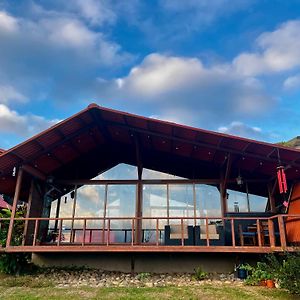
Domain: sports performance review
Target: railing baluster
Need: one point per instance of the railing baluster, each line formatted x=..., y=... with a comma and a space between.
x=271, y=233
x=36, y=223
x=232, y=232
x=207, y=234
x=91, y=236
x=59, y=232
x=259, y=235
x=84, y=228
x=157, y=225
x=282, y=232
x=182, y=237
x=132, y=232
x=108, y=232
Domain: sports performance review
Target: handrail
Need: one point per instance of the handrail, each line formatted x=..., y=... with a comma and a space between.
x=258, y=222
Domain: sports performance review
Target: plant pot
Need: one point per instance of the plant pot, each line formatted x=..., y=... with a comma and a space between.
x=242, y=274
x=263, y=283
x=270, y=283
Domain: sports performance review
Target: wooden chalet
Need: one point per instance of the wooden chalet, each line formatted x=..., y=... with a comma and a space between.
x=109, y=181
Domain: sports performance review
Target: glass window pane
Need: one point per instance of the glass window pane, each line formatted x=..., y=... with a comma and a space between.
x=181, y=202
x=121, y=201
x=154, y=205
x=208, y=201
x=66, y=210
x=152, y=174
x=257, y=203
x=119, y=172
x=90, y=203
x=53, y=214
x=237, y=201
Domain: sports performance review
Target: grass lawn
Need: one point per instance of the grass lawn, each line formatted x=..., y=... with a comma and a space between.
x=25, y=288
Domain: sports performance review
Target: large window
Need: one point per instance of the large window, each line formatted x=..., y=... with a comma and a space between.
x=180, y=201
x=245, y=201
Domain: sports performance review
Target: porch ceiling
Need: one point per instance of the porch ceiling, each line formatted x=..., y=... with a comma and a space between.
x=98, y=138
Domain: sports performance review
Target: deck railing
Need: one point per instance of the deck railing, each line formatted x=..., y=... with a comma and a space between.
x=241, y=232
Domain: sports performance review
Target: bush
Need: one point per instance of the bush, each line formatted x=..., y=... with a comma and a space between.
x=284, y=270
x=200, y=274
x=13, y=263
x=289, y=276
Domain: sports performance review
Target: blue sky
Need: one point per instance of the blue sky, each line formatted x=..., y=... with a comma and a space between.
x=225, y=65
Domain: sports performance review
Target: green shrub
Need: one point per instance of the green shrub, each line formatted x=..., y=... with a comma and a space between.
x=200, y=274
x=143, y=275
x=289, y=276
x=285, y=270
x=13, y=263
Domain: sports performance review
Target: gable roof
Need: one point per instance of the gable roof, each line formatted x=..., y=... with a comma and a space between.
x=97, y=138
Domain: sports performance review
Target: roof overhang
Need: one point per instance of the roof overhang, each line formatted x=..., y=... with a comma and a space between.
x=98, y=138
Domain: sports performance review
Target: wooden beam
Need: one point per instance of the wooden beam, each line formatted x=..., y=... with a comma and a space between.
x=34, y=172
x=14, y=207
x=198, y=143
x=271, y=199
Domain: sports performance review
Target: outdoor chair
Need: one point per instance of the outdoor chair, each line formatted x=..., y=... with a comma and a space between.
x=215, y=235
x=173, y=235
x=248, y=235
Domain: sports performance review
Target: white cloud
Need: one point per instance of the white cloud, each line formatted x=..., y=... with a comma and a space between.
x=278, y=51
x=292, y=82
x=185, y=90
x=95, y=11
x=9, y=94
x=22, y=125
x=8, y=24
x=244, y=130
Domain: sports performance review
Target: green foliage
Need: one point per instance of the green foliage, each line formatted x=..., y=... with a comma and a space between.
x=284, y=270
x=289, y=276
x=200, y=274
x=13, y=263
x=257, y=273
x=143, y=276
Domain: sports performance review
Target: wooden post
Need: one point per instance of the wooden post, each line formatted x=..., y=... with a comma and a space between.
x=73, y=215
x=271, y=199
x=271, y=232
x=282, y=232
x=28, y=212
x=259, y=235
x=57, y=213
x=232, y=232
x=14, y=207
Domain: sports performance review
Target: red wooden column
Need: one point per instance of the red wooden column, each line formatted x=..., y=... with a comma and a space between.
x=272, y=205
x=14, y=207
x=28, y=212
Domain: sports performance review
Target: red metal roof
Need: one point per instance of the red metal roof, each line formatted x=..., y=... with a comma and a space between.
x=98, y=138
x=4, y=204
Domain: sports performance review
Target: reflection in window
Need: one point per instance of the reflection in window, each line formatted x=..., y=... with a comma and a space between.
x=207, y=202
x=245, y=202
x=121, y=200
x=119, y=172
x=90, y=201
x=152, y=174
x=154, y=205
x=181, y=202
x=237, y=201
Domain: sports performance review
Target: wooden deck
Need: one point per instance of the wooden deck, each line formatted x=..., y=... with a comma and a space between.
x=145, y=249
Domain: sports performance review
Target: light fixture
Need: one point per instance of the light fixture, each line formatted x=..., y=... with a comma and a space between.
x=239, y=180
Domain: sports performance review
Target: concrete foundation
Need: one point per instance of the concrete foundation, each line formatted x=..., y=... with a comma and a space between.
x=146, y=262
